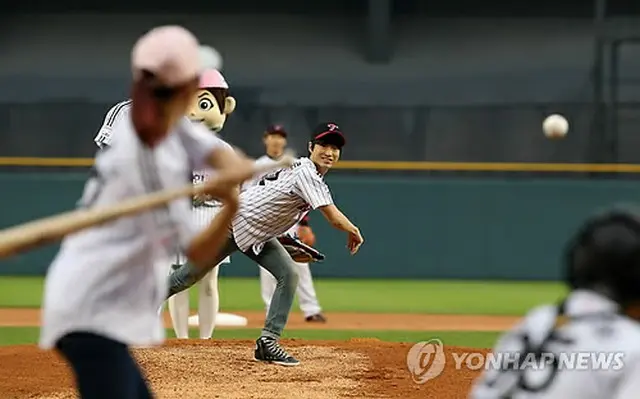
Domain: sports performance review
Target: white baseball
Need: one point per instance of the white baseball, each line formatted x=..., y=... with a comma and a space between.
x=210, y=58
x=555, y=126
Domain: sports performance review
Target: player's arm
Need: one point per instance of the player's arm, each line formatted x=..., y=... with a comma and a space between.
x=103, y=138
x=316, y=192
x=206, y=245
x=340, y=221
x=207, y=149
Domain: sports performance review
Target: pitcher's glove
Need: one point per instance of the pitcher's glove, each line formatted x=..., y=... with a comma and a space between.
x=299, y=251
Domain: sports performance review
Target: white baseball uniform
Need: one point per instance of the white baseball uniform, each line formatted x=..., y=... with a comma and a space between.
x=594, y=326
x=307, y=297
x=208, y=302
x=112, y=278
x=268, y=210
x=275, y=204
x=208, y=293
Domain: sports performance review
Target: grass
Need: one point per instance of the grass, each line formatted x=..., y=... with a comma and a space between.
x=356, y=295
x=29, y=335
x=342, y=295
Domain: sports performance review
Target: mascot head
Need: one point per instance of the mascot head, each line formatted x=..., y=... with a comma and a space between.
x=212, y=103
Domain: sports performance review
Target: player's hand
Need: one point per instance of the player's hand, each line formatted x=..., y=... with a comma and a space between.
x=354, y=241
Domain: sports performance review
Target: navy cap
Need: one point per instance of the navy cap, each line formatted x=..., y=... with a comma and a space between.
x=328, y=133
x=276, y=129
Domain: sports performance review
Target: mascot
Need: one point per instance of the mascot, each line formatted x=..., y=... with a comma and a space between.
x=211, y=106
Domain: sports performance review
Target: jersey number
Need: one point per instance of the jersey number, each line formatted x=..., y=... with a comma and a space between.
x=522, y=382
x=270, y=177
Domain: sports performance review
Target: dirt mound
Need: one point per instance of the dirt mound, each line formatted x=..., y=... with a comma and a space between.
x=225, y=369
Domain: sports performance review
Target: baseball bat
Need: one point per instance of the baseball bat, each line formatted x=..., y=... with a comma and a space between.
x=30, y=235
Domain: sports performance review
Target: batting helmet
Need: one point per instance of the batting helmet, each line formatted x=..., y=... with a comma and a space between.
x=604, y=256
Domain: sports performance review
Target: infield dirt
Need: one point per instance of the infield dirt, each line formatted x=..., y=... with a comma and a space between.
x=358, y=368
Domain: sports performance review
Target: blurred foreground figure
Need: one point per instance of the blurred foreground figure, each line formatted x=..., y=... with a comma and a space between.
x=104, y=287
x=588, y=346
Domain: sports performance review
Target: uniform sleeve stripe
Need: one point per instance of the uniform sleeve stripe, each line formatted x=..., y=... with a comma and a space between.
x=112, y=115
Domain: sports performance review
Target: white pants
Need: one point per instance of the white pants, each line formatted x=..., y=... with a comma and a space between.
x=208, y=296
x=306, y=292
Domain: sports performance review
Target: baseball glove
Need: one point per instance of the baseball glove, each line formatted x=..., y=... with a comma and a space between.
x=299, y=251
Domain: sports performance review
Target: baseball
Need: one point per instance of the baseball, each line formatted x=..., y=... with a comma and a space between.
x=555, y=126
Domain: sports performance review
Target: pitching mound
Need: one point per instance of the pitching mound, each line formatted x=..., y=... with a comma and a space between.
x=225, y=369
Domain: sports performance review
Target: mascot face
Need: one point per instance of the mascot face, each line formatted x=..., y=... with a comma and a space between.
x=212, y=103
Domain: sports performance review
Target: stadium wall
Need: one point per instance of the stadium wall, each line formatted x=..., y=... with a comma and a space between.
x=414, y=227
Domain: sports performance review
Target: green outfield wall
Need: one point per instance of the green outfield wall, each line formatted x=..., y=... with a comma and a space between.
x=414, y=227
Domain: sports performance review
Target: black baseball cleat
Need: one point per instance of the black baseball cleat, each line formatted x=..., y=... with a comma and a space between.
x=316, y=318
x=269, y=350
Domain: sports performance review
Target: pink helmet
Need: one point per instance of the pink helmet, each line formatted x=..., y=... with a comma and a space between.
x=212, y=78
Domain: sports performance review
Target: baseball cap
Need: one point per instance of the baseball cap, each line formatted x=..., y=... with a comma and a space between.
x=171, y=53
x=328, y=133
x=276, y=129
x=212, y=78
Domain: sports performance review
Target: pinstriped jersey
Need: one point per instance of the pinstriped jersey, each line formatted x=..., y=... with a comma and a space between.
x=277, y=202
x=116, y=114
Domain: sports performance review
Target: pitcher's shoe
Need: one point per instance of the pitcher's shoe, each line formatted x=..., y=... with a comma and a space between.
x=269, y=350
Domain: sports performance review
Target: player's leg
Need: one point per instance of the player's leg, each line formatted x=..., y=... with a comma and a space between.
x=208, y=303
x=179, y=306
x=307, y=297
x=275, y=259
x=189, y=274
x=208, y=297
x=103, y=368
x=267, y=287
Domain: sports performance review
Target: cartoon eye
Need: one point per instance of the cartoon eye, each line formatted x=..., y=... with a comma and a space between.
x=205, y=104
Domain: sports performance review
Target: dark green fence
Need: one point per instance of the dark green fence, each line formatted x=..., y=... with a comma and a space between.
x=414, y=227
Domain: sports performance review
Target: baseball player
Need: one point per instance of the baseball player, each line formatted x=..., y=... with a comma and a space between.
x=104, y=287
x=211, y=106
x=599, y=317
x=269, y=209
x=275, y=142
